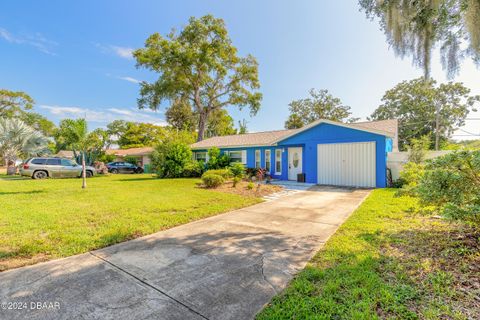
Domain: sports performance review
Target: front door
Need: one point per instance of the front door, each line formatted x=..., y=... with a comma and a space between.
x=294, y=162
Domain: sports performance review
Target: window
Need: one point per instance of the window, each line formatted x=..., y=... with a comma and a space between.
x=235, y=156
x=53, y=162
x=278, y=161
x=257, y=159
x=201, y=156
x=268, y=159
x=67, y=163
x=39, y=161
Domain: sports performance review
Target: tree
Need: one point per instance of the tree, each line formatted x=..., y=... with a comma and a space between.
x=320, y=105
x=138, y=134
x=416, y=27
x=220, y=123
x=17, y=140
x=199, y=64
x=423, y=108
x=242, y=127
x=13, y=103
x=180, y=115
x=173, y=157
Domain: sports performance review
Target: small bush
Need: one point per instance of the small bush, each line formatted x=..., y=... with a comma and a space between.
x=250, y=185
x=251, y=172
x=217, y=161
x=193, y=169
x=410, y=177
x=212, y=180
x=236, y=180
x=224, y=173
x=237, y=169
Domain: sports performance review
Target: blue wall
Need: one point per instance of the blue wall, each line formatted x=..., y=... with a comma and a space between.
x=308, y=140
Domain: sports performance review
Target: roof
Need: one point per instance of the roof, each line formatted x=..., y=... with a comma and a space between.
x=65, y=154
x=130, y=152
x=267, y=138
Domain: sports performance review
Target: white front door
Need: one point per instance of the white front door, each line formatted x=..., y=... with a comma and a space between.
x=294, y=162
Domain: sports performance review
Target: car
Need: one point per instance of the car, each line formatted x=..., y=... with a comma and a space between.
x=44, y=167
x=123, y=167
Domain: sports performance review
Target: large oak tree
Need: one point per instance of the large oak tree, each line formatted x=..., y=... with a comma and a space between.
x=200, y=64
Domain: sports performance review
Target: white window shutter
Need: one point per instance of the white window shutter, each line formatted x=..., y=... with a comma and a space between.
x=244, y=157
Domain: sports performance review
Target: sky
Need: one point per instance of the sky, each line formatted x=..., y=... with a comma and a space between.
x=74, y=58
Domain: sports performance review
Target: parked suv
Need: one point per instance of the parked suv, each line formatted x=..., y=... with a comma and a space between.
x=123, y=167
x=41, y=168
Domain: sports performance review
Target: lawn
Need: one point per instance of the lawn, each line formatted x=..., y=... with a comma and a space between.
x=388, y=262
x=46, y=219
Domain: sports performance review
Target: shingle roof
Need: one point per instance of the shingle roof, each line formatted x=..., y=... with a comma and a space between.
x=267, y=138
x=131, y=151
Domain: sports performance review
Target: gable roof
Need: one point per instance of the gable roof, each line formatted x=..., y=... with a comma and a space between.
x=268, y=138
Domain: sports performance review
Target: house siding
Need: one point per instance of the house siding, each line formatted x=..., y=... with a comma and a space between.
x=308, y=140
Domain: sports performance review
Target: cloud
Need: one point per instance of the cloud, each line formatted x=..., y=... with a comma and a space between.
x=122, y=52
x=36, y=40
x=105, y=115
x=130, y=79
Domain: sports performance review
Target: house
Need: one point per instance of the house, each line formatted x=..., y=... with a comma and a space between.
x=323, y=152
x=142, y=155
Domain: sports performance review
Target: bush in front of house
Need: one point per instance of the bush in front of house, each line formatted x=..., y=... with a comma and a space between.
x=410, y=177
x=217, y=160
x=224, y=173
x=131, y=159
x=193, y=169
x=451, y=183
x=212, y=180
x=170, y=158
x=237, y=169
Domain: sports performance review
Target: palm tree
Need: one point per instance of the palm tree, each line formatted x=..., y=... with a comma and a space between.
x=76, y=132
x=17, y=140
x=416, y=27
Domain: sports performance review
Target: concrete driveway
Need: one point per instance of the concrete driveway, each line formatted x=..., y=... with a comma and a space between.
x=223, y=267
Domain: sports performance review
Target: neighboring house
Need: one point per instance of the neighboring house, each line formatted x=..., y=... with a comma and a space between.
x=326, y=152
x=142, y=155
x=65, y=154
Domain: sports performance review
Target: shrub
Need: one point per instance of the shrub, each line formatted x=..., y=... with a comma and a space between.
x=250, y=185
x=410, y=177
x=131, y=159
x=451, y=183
x=237, y=169
x=212, y=180
x=251, y=172
x=236, y=180
x=193, y=169
x=417, y=149
x=170, y=158
x=224, y=173
x=216, y=160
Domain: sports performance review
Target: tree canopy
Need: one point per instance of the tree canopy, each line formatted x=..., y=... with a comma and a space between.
x=320, y=105
x=415, y=28
x=414, y=103
x=199, y=64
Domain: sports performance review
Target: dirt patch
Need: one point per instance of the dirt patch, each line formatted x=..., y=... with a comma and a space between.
x=259, y=190
x=17, y=262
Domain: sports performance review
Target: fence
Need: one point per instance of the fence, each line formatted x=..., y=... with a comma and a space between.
x=396, y=160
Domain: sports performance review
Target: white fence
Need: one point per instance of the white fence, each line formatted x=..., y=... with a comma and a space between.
x=396, y=160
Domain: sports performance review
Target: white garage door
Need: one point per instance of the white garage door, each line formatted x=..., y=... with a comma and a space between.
x=347, y=164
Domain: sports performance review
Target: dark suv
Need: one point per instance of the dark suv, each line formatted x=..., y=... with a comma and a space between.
x=123, y=167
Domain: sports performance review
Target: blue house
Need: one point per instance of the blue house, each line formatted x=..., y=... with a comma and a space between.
x=323, y=152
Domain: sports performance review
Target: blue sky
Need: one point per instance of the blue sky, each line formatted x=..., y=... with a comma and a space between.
x=74, y=58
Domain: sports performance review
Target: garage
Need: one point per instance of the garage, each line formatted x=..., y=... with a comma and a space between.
x=347, y=164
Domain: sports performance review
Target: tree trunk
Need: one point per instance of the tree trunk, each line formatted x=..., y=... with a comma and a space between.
x=84, y=172
x=202, y=122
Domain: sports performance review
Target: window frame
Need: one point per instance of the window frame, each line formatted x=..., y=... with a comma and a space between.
x=237, y=159
x=278, y=159
x=269, y=158
x=204, y=159
x=259, y=154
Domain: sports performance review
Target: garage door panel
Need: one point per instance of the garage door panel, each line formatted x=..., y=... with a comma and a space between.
x=347, y=164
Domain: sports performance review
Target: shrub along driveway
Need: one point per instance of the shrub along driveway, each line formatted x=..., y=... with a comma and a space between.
x=45, y=219
x=223, y=267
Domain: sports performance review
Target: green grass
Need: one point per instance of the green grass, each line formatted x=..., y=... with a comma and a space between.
x=387, y=262
x=44, y=219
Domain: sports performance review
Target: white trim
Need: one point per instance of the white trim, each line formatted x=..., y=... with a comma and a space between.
x=231, y=146
x=258, y=151
x=280, y=160
x=345, y=125
x=269, y=158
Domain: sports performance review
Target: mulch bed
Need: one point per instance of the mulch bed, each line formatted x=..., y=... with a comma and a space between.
x=259, y=190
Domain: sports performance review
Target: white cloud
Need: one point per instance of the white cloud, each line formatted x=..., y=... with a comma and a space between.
x=36, y=40
x=122, y=52
x=105, y=116
x=130, y=79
